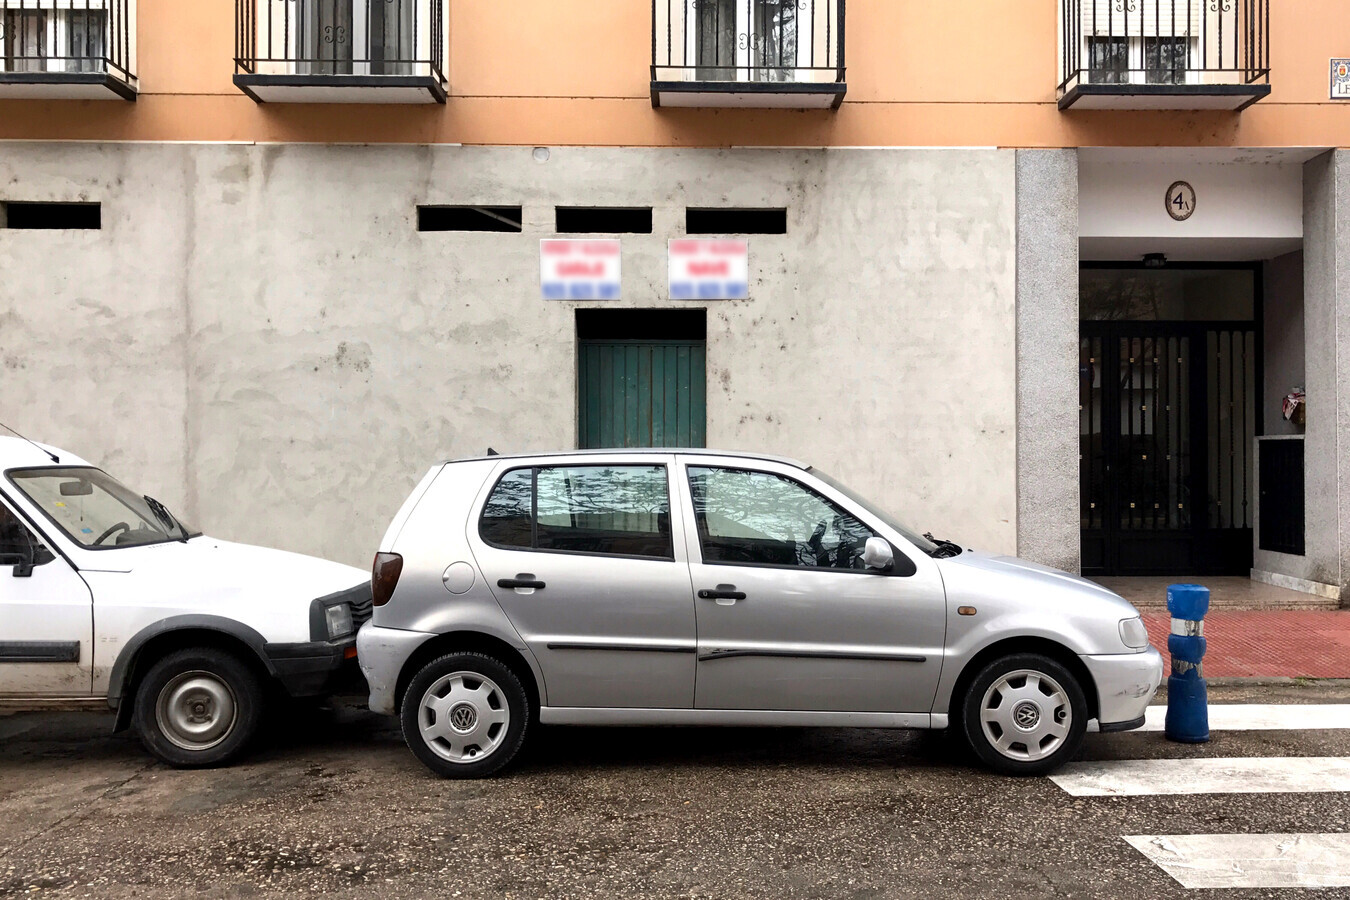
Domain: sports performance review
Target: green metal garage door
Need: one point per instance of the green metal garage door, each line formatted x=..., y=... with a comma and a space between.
x=641, y=394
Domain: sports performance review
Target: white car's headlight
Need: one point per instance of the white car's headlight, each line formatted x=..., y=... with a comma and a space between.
x=339, y=619
x=1133, y=633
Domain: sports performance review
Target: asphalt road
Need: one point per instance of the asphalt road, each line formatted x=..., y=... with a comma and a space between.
x=334, y=804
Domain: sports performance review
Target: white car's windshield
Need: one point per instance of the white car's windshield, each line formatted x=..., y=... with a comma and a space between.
x=909, y=534
x=95, y=510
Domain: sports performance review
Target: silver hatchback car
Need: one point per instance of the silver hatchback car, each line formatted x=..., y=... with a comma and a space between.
x=671, y=587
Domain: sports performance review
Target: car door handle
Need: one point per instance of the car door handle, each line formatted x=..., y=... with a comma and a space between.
x=523, y=580
x=722, y=592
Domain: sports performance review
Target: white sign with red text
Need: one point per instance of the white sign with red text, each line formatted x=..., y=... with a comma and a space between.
x=579, y=269
x=709, y=269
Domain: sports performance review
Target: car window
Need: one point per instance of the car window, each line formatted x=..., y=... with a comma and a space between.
x=616, y=510
x=17, y=543
x=506, y=518
x=96, y=510
x=766, y=519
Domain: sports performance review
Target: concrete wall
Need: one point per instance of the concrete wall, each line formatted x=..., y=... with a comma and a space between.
x=1047, y=358
x=1327, y=370
x=261, y=337
x=1283, y=361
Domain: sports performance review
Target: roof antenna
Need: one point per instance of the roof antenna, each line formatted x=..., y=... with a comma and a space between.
x=492, y=452
x=39, y=446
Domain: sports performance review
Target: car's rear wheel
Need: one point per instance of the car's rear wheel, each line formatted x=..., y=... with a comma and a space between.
x=198, y=707
x=1024, y=714
x=465, y=715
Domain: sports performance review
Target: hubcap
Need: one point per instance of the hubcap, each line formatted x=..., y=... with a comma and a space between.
x=463, y=717
x=1026, y=715
x=196, y=711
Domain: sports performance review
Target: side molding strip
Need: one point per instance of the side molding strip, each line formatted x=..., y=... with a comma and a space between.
x=810, y=654
x=39, y=651
x=631, y=648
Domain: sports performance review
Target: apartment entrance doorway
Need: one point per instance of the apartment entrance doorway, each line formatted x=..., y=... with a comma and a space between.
x=1169, y=400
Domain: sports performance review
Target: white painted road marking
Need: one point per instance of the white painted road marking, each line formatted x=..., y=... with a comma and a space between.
x=1250, y=860
x=1262, y=717
x=1255, y=775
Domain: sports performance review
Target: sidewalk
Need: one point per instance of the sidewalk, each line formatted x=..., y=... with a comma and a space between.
x=1267, y=643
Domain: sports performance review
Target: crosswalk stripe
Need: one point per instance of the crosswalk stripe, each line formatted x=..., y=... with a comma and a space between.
x=1250, y=860
x=1262, y=717
x=1254, y=775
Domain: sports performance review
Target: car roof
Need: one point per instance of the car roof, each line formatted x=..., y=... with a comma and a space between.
x=639, y=451
x=17, y=453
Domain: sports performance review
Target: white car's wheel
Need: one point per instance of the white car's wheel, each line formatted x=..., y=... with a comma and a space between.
x=1024, y=714
x=198, y=707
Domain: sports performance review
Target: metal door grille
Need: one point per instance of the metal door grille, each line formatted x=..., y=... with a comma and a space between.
x=1167, y=417
x=641, y=394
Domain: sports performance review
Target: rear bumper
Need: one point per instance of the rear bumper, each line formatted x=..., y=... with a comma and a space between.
x=314, y=668
x=383, y=653
x=1126, y=683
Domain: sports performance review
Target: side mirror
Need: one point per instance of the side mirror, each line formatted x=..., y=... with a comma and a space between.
x=36, y=556
x=878, y=555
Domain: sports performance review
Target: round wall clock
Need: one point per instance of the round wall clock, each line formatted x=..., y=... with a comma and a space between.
x=1180, y=201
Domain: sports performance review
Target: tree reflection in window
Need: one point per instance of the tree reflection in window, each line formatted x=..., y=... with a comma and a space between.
x=767, y=519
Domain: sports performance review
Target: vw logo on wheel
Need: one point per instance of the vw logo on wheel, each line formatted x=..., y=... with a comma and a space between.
x=463, y=718
x=1026, y=715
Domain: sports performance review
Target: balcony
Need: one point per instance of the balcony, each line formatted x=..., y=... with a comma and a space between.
x=1164, y=54
x=67, y=49
x=340, y=51
x=749, y=53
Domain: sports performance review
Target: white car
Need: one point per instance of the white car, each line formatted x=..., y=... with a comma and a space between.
x=110, y=596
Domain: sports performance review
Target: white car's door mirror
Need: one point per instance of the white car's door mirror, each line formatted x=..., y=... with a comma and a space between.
x=878, y=555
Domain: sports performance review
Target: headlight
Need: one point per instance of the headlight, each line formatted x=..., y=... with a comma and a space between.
x=339, y=620
x=1133, y=633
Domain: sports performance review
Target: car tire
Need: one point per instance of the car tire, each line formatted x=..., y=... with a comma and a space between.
x=1024, y=714
x=198, y=707
x=465, y=715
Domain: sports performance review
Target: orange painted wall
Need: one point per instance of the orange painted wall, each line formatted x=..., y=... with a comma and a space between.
x=557, y=72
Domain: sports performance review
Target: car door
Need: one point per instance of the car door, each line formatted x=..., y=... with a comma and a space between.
x=788, y=617
x=46, y=617
x=581, y=554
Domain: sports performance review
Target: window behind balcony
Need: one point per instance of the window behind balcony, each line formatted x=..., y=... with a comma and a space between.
x=54, y=40
x=362, y=37
x=737, y=40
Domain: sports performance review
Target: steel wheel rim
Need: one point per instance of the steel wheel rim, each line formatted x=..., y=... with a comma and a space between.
x=196, y=710
x=463, y=717
x=1026, y=715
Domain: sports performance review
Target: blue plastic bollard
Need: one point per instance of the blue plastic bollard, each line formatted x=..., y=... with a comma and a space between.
x=1187, y=700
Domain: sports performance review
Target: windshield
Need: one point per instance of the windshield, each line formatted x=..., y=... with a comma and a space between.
x=95, y=510
x=909, y=534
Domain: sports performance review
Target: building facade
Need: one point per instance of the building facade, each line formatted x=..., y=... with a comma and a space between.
x=1037, y=276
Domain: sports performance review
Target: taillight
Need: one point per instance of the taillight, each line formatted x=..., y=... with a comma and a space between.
x=384, y=577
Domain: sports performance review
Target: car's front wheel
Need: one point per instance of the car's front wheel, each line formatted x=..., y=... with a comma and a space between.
x=1024, y=714
x=198, y=707
x=465, y=715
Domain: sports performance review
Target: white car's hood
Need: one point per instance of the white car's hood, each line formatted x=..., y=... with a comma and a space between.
x=224, y=564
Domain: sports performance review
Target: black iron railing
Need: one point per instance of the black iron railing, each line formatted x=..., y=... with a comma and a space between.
x=340, y=37
x=1164, y=42
x=790, y=41
x=74, y=37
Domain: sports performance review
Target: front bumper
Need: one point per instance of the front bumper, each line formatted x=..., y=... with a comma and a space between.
x=1126, y=683
x=314, y=668
x=383, y=653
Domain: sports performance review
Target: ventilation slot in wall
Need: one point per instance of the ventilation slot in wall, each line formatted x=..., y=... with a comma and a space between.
x=51, y=216
x=469, y=218
x=604, y=220
x=735, y=221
